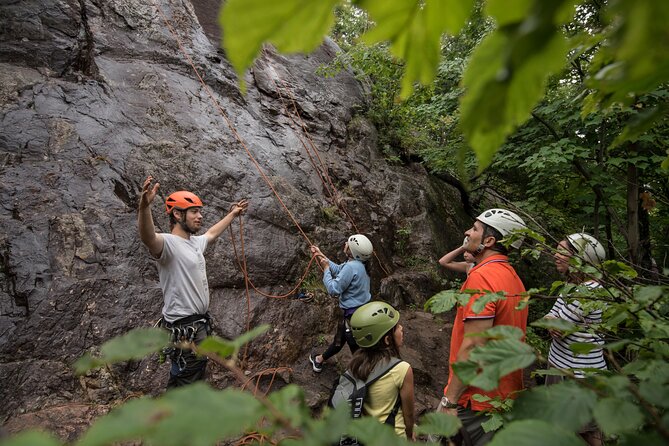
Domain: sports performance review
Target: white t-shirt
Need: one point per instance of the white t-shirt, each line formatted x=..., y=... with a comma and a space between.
x=183, y=276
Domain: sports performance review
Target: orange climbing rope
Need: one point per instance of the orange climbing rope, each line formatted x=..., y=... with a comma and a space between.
x=232, y=128
x=242, y=267
x=329, y=185
x=234, y=132
x=332, y=192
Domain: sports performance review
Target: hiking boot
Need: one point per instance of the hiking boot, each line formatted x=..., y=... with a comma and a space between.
x=317, y=366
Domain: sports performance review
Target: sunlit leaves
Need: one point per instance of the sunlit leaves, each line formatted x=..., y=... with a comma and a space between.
x=414, y=29
x=636, y=59
x=290, y=25
x=133, y=345
x=506, y=77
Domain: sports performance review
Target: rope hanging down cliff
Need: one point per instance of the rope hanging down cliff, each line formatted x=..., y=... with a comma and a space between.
x=249, y=154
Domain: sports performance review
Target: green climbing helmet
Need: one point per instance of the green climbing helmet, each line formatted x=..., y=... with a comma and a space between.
x=371, y=321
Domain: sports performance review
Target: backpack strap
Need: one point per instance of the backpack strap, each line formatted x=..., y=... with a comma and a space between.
x=380, y=370
x=360, y=392
x=375, y=375
x=393, y=413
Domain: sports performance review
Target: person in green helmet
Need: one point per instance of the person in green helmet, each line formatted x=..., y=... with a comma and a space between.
x=377, y=332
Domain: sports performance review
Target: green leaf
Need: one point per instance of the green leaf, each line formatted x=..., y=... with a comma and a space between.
x=619, y=269
x=500, y=332
x=506, y=12
x=414, y=29
x=582, y=347
x=656, y=393
x=290, y=25
x=290, y=402
x=617, y=345
x=506, y=77
x=437, y=423
x=534, y=432
x=493, y=423
x=647, y=369
x=497, y=358
x=328, y=429
x=567, y=405
x=554, y=323
x=640, y=124
x=368, y=430
x=31, y=438
x=225, y=348
x=648, y=294
x=622, y=71
x=616, y=416
x=135, y=344
x=176, y=418
x=642, y=438
x=481, y=301
x=445, y=301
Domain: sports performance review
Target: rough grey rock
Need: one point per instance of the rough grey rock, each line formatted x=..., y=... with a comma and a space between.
x=96, y=95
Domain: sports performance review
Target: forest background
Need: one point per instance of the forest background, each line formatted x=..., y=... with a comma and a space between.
x=554, y=108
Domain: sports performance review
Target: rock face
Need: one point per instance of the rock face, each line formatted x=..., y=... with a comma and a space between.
x=96, y=95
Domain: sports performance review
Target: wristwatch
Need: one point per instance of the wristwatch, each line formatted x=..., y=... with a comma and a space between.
x=447, y=404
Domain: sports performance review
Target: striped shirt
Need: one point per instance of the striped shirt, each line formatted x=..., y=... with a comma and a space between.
x=560, y=355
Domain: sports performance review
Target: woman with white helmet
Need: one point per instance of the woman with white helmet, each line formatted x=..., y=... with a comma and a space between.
x=589, y=251
x=350, y=282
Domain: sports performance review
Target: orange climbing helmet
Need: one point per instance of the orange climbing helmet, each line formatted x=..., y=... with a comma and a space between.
x=182, y=200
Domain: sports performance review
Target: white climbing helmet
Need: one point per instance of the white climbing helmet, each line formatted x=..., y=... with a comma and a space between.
x=504, y=221
x=360, y=246
x=587, y=247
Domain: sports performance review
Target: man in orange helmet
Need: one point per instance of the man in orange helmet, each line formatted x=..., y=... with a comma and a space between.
x=182, y=272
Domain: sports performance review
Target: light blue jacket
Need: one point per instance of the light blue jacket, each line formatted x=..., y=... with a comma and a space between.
x=349, y=281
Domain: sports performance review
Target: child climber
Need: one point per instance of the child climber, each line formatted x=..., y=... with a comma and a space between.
x=376, y=329
x=350, y=282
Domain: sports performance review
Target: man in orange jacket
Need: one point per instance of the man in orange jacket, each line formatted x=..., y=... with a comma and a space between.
x=493, y=273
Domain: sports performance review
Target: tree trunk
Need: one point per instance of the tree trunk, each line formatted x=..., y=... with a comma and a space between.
x=633, y=214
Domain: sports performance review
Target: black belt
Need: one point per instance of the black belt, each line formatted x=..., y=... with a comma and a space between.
x=188, y=320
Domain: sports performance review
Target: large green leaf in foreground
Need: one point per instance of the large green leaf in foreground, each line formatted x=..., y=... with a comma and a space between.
x=290, y=25
x=533, y=433
x=497, y=358
x=135, y=344
x=177, y=418
x=567, y=405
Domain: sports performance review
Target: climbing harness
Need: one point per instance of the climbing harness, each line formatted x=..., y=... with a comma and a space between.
x=183, y=331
